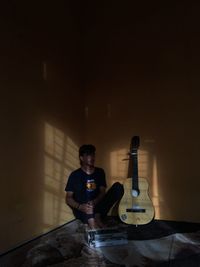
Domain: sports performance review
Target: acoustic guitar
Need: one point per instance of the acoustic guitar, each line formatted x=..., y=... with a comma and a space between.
x=135, y=206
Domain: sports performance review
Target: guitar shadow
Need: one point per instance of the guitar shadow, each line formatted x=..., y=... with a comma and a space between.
x=114, y=211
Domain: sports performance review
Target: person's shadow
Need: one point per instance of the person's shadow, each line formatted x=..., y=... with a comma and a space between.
x=114, y=211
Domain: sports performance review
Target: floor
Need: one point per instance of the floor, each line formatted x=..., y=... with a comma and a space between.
x=159, y=243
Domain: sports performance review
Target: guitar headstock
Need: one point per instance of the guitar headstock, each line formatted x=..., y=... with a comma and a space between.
x=135, y=142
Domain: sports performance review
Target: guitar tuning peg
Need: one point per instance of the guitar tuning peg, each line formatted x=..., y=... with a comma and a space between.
x=126, y=159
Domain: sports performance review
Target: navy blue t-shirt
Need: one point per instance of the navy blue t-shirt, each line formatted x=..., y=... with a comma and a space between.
x=85, y=186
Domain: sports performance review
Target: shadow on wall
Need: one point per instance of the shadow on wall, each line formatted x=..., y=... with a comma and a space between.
x=60, y=158
x=121, y=168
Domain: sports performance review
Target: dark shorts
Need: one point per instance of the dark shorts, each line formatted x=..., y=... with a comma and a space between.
x=82, y=216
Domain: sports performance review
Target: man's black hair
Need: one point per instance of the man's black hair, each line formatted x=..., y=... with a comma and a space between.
x=87, y=149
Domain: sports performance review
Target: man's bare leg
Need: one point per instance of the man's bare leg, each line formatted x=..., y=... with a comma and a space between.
x=93, y=224
x=99, y=221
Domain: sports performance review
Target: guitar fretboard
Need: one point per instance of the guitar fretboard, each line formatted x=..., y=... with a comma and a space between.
x=135, y=170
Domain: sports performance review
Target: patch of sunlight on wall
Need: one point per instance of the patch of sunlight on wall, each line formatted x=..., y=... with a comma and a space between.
x=119, y=166
x=60, y=159
x=71, y=154
x=143, y=164
x=155, y=192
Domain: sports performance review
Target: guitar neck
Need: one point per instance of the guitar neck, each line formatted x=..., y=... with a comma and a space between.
x=135, y=170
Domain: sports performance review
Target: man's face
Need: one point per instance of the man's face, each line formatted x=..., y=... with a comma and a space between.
x=88, y=159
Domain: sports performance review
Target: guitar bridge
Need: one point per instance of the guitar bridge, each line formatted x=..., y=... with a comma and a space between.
x=136, y=210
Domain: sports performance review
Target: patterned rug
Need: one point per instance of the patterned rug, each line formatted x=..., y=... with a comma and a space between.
x=159, y=243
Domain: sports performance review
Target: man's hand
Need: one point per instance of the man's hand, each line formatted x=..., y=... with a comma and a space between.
x=87, y=208
x=92, y=203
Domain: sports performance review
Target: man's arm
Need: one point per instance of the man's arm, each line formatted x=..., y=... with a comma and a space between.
x=70, y=200
x=86, y=208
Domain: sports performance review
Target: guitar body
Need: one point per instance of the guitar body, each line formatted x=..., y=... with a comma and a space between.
x=136, y=210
